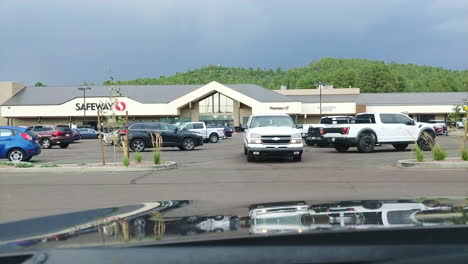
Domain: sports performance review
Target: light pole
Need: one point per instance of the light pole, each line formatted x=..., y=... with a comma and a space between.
x=320, y=90
x=84, y=102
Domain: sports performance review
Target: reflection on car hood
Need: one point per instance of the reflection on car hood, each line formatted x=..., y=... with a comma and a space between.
x=166, y=221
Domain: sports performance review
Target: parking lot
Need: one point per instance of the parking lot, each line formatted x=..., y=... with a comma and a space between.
x=220, y=174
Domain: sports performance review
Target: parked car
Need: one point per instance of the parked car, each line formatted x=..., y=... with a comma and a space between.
x=272, y=135
x=461, y=123
x=211, y=135
x=227, y=130
x=18, y=144
x=439, y=127
x=371, y=129
x=88, y=133
x=313, y=134
x=140, y=136
x=76, y=134
x=52, y=135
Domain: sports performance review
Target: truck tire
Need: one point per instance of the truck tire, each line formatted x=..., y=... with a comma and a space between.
x=250, y=157
x=322, y=144
x=341, y=147
x=366, y=143
x=214, y=138
x=371, y=204
x=424, y=141
x=310, y=143
x=297, y=158
x=400, y=147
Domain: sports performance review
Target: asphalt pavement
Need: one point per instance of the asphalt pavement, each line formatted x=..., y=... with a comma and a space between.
x=220, y=174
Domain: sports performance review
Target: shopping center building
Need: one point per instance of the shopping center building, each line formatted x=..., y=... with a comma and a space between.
x=213, y=103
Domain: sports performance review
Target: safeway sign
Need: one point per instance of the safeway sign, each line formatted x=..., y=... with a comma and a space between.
x=120, y=106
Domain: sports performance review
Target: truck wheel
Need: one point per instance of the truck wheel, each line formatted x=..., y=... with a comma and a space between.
x=46, y=143
x=297, y=158
x=214, y=138
x=321, y=144
x=310, y=143
x=366, y=143
x=341, y=147
x=424, y=141
x=63, y=145
x=250, y=157
x=400, y=147
x=371, y=204
x=188, y=144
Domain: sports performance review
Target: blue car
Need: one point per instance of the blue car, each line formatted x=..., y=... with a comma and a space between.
x=88, y=133
x=17, y=144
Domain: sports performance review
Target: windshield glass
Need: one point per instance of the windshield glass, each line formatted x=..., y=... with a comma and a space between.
x=271, y=121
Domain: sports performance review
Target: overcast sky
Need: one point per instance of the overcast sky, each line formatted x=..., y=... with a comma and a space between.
x=70, y=42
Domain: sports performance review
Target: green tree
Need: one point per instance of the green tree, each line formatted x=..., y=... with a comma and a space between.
x=39, y=84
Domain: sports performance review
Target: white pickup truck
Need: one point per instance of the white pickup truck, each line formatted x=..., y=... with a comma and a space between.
x=209, y=134
x=371, y=129
x=272, y=135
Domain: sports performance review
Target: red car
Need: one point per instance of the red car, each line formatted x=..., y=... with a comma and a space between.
x=52, y=135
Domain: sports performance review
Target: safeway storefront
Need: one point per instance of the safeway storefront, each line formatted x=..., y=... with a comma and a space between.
x=213, y=103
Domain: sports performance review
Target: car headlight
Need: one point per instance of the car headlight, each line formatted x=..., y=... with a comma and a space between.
x=296, y=138
x=255, y=139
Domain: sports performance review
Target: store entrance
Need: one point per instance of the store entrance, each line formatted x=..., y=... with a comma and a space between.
x=218, y=120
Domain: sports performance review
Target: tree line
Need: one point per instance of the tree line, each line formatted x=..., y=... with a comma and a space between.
x=372, y=76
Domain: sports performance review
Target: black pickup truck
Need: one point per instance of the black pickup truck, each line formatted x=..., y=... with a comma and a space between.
x=315, y=132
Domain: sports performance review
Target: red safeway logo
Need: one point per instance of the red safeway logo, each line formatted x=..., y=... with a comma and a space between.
x=120, y=106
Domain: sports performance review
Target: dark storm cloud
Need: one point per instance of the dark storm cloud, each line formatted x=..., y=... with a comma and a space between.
x=69, y=42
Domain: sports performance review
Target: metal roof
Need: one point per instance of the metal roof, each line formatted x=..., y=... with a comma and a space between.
x=54, y=95
x=259, y=93
x=444, y=98
x=328, y=98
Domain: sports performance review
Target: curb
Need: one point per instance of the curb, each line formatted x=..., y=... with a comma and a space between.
x=168, y=166
x=450, y=163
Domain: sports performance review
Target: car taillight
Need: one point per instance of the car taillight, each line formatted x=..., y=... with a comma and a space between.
x=345, y=130
x=26, y=136
x=123, y=131
x=321, y=131
x=59, y=133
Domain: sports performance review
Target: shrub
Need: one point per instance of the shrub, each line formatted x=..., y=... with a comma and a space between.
x=82, y=164
x=24, y=165
x=138, y=157
x=125, y=161
x=48, y=165
x=464, y=154
x=156, y=157
x=7, y=163
x=438, y=153
x=419, y=154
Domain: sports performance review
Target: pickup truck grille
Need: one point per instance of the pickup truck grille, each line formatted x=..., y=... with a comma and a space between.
x=276, y=139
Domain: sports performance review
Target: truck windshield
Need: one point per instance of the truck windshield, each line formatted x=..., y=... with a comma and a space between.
x=271, y=121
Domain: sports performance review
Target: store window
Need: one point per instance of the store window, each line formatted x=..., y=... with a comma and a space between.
x=216, y=103
x=174, y=120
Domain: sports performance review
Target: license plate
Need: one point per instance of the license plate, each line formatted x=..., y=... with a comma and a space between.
x=333, y=139
x=67, y=135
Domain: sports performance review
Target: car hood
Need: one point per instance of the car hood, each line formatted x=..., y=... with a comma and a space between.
x=274, y=130
x=177, y=220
